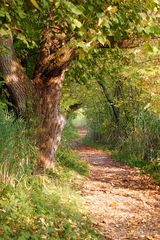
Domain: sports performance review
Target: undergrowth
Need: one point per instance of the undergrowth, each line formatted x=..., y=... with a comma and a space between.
x=39, y=206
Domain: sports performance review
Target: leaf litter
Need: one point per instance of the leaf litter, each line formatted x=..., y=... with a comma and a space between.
x=122, y=203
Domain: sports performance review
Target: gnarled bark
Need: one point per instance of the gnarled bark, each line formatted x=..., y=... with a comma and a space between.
x=55, y=57
x=47, y=85
x=16, y=79
x=49, y=76
x=51, y=121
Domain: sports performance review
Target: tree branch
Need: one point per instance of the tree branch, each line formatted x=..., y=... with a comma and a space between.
x=114, y=108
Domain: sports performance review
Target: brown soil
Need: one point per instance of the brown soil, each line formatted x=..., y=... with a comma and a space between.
x=122, y=203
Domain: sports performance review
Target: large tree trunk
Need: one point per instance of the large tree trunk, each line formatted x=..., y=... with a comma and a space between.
x=51, y=122
x=47, y=86
x=49, y=74
x=54, y=60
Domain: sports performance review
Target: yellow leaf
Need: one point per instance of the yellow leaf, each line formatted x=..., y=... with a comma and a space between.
x=114, y=204
x=81, y=54
x=35, y=4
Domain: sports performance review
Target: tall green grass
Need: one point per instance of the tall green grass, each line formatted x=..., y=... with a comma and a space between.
x=39, y=206
x=17, y=151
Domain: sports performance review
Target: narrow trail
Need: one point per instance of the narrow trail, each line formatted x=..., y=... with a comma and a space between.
x=122, y=203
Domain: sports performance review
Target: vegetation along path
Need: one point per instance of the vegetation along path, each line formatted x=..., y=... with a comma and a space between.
x=122, y=203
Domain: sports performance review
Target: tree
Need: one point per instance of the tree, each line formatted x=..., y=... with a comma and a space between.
x=65, y=28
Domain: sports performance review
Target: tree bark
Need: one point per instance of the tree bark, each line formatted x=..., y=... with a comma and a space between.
x=51, y=122
x=49, y=74
x=48, y=79
x=16, y=79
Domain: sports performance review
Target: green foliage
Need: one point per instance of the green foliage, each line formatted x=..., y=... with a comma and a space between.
x=70, y=133
x=39, y=206
x=17, y=153
x=132, y=84
x=65, y=156
x=88, y=22
x=72, y=161
x=46, y=206
x=79, y=120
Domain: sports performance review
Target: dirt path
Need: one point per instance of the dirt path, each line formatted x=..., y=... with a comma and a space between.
x=122, y=203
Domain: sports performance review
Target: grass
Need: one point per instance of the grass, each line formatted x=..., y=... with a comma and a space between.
x=71, y=161
x=39, y=206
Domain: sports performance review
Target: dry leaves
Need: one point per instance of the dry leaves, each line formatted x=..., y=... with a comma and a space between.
x=122, y=203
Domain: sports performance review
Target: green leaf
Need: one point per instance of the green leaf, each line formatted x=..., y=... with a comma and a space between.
x=2, y=13
x=22, y=37
x=35, y=4
x=147, y=30
x=21, y=13
x=106, y=23
x=73, y=8
x=82, y=45
x=101, y=39
x=77, y=23
x=108, y=43
x=5, y=14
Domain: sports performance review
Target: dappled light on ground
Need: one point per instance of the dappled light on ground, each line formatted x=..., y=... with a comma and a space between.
x=123, y=203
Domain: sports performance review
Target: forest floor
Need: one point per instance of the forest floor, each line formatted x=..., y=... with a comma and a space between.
x=122, y=203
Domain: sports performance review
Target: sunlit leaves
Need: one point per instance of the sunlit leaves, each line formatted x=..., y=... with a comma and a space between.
x=82, y=45
x=35, y=4
x=27, y=42
x=76, y=23
x=73, y=8
x=5, y=14
x=88, y=22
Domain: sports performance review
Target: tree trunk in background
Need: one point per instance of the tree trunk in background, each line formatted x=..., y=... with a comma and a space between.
x=112, y=104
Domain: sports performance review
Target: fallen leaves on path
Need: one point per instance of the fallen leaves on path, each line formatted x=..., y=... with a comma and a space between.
x=124, y=204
